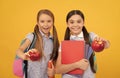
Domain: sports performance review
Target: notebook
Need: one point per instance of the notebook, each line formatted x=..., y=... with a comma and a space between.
x=72, y=51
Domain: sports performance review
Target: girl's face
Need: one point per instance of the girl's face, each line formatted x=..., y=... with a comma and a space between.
x=45, y=23
x=75, y=24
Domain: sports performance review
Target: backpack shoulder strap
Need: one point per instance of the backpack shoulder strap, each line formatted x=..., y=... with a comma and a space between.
x=32, y=43
x=30, y=47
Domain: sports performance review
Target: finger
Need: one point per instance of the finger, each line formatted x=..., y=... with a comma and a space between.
x=98, y=39
x=52, y=65
x=30, y=50
x=27, y=54
x=85, y=60
x=35, y=50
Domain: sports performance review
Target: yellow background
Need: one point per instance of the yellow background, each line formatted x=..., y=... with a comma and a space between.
x=18, y=17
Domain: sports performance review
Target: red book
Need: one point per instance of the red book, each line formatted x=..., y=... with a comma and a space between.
x=72, y=51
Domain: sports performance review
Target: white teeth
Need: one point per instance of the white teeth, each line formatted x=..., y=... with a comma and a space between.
x=75, y=28
x=46, y=28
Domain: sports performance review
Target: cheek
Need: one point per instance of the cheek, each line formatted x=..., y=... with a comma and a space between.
x=82, y=24
x=50, y=24
x=39, y=24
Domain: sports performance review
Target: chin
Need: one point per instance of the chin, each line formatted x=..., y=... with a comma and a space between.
x=46, y=33
x=76, y=33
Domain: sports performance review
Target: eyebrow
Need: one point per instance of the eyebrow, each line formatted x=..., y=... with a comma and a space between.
x=74, y=20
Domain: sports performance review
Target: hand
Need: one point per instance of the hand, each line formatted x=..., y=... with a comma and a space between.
x=33, y=55
x=106, y=42
x=51, y=69
x=83, y=64
x=99, y=38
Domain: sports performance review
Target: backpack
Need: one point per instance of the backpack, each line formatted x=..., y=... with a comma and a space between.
x=88, y=73
x=20, y=65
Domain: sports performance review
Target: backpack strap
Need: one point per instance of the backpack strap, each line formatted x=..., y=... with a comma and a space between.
x=30, y=47
x=94, y=57
x=32, y=43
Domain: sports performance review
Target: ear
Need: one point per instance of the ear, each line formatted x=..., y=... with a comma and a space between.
x=67, y=24
x=37, y=23
x=83, y=23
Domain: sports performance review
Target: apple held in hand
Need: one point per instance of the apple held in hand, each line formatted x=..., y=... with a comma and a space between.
x=34, y=56
x=50, y=64
x=98, y=46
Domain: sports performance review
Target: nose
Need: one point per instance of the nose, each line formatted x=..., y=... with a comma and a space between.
x=75, y=24
x=45, y=24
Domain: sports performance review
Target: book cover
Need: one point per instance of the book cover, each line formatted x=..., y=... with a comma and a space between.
x=72, y=51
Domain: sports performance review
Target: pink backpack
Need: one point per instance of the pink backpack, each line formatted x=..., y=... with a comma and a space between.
x=20, y=65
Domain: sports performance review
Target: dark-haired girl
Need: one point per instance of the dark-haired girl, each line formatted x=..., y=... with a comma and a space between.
x=76, y=30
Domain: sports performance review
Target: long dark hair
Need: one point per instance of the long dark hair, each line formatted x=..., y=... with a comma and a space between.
x=38, y=46
x=85, y=33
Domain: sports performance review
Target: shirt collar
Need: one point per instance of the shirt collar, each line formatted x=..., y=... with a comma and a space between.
x=79, y=36
x=43, y=35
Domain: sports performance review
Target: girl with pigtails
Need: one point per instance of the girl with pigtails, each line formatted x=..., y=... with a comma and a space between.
x=46, y=43
x=76, y=30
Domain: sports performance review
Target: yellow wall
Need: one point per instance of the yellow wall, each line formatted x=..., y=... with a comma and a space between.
x=18, y=17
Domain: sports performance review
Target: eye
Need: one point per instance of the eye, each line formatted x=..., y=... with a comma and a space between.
x=49, y=21
x=79, y=21
x=71, y=22
x=42, y=21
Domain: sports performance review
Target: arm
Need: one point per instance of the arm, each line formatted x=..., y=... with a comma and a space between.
x=64, y=68
x=20, y=50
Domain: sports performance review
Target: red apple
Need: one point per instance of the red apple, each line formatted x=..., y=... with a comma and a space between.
x=34, y=56
x=49, y=64
x=98, y=46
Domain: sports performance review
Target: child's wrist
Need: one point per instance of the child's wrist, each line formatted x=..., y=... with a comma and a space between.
x=25, y=56
x=77, y=65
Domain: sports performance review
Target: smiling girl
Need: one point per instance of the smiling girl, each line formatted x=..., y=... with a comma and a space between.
x=46, y=43
x=76, y=30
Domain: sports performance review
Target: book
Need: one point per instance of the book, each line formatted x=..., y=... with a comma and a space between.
x=72, y=51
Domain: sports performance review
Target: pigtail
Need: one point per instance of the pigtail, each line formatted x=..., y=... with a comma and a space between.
x=92, y=62
x=86, y=35
x=55, y=45
x=67, y=34
x=87, y=40
x=39, y=41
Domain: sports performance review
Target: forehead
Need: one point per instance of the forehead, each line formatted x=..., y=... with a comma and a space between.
x=45, y=16
x=75, y=17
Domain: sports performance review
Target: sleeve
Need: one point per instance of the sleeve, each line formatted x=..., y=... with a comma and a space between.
x=92, y=35
x=29, y=36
